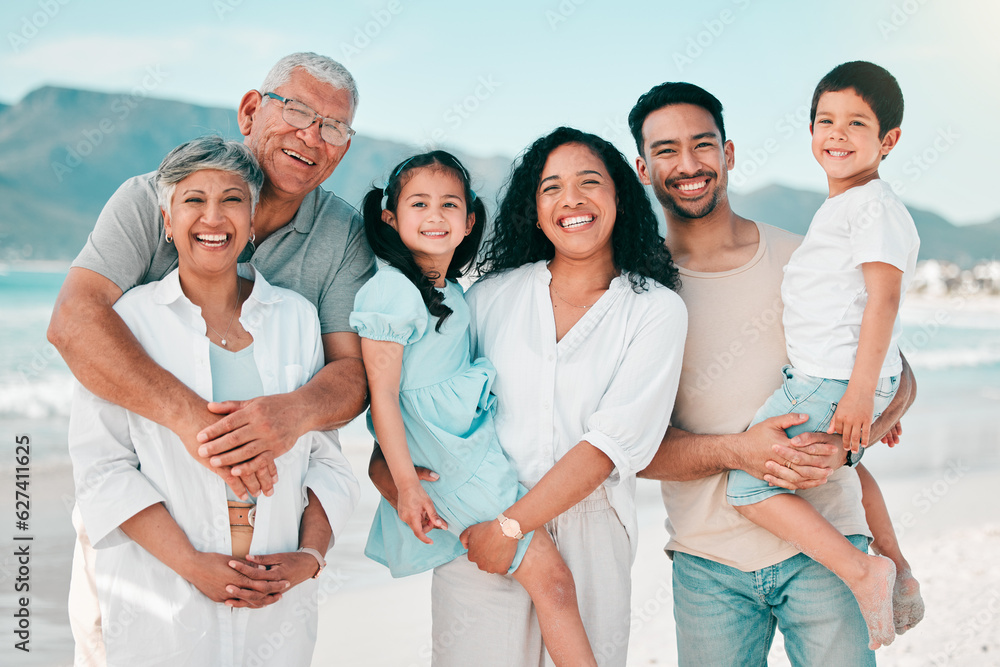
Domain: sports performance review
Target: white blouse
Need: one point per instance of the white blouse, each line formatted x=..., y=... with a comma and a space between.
x=610, y=381
x=123, y=463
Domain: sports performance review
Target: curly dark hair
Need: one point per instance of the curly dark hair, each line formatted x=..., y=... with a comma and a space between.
x=385, y=241
x=636, y=243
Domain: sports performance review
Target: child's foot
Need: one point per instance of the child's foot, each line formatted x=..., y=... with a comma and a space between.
x=907, y=605
x=874, y=593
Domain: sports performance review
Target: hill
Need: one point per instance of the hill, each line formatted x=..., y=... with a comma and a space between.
x=63, y=152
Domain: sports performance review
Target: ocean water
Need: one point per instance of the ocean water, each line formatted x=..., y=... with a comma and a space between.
x=953, y=345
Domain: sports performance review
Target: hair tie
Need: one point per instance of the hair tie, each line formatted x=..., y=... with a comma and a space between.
x=385, y=197
x=473, y=193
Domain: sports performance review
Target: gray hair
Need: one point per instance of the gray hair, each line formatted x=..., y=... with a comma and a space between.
x=319, y=67
x=207, y=153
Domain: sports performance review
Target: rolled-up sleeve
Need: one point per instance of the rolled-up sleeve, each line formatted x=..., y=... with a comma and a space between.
x=332, y=480
x=634, y=412
x=110, y=489
x=329, y=474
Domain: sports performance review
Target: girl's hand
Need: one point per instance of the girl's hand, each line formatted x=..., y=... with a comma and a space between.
x=853, y=419
x=416, y=509
x=214, y=575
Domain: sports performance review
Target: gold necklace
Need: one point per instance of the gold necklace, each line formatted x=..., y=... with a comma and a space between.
x=239, y=293
x=563, y=299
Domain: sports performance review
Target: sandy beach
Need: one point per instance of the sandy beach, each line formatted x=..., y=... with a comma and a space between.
x=948, y=527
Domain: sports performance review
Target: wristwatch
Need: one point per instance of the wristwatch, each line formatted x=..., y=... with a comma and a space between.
x=854, y=458
x=319, y=559
x=510, y=527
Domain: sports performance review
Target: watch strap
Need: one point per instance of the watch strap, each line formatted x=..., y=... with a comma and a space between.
x=318, y=556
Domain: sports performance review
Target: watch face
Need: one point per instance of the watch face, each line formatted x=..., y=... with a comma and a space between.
x=511, y=528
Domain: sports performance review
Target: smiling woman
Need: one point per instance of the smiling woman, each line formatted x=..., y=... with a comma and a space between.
x=576, y=314
x=152, y=512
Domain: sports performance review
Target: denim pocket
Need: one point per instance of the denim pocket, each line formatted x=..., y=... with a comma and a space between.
x=799, y=386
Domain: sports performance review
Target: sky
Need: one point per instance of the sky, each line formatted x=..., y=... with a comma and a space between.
x=489, y=78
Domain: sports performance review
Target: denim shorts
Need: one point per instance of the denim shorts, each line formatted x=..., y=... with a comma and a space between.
x=799, y=392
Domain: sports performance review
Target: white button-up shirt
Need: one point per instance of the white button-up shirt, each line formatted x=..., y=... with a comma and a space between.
x=124, y=463
x=610, y=381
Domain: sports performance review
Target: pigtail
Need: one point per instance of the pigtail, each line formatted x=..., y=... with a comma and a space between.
x=467, y=251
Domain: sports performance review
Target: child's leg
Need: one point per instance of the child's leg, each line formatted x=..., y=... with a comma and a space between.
x=545, y=576
x=907, y=605
x=870, y=578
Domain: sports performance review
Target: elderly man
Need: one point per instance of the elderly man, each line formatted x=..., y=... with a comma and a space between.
x=732, y=580
x=307, y=239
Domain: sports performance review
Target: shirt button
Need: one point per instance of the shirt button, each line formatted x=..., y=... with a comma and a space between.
x=545, y=405
x=794, y=401
x=550, y=357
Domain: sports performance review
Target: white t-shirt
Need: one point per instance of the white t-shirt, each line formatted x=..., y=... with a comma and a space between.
x=824, y=288
x=610, y=380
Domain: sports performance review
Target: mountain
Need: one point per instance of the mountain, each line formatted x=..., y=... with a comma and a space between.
x=939, y=239
x=63, y=152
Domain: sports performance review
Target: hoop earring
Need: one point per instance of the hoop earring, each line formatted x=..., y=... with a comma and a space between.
x=168, y=237
x=253, y=236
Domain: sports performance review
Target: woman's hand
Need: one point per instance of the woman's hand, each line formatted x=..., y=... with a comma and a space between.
x=288, y=569
x=416, y=509
x=489, y=548
x=226, y=579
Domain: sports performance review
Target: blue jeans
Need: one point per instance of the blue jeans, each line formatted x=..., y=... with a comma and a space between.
x=726, y=617
x=799, y=392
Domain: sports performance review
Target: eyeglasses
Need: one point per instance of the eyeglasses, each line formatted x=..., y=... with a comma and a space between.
x=299, y=116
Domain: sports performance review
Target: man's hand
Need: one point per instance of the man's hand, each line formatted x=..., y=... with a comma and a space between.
x=378, y=472
x=250, y=436
x=222, y=578
x=262, y=480
x=853, y=418
x=799, y=463
x=489, y=548
x=808, y=460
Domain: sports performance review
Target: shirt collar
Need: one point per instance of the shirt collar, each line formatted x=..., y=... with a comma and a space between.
x=169, y=289
x=305, y=216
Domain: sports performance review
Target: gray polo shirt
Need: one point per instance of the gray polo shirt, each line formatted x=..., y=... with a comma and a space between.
x=321, y=253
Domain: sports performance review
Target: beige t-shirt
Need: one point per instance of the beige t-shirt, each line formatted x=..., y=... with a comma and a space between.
x=732, y=362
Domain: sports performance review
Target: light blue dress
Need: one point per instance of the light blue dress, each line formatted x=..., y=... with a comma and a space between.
x=447, y=409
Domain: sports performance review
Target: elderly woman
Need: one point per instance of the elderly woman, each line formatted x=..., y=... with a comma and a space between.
x=576, y=312
x=179, y=557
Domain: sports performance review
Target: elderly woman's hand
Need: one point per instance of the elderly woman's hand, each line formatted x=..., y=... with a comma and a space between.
x=223, y=578
x=281, y=572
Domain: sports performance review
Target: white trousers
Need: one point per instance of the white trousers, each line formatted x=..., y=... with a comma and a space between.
x=84, y=607
x=488, y=620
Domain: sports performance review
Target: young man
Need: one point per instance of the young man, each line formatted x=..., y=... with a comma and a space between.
x=732, y=580
x=307, y=239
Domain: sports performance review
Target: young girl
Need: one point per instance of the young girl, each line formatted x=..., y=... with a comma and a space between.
x=430, y=401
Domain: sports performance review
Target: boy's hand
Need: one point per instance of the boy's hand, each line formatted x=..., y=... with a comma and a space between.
x=416, y=509
x=853, y=418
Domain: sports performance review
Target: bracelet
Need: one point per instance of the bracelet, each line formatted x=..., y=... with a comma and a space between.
x=318, y=556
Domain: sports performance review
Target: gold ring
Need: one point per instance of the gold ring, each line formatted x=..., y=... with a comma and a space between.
x=788, y=464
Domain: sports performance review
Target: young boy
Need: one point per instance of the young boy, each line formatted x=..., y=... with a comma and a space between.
x=842, y=289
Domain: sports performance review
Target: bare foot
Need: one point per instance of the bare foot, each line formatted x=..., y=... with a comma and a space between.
x=874, y=593
x=907, y=605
